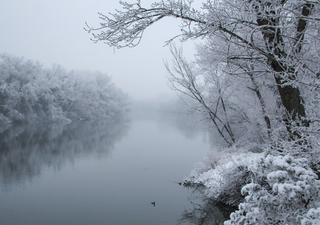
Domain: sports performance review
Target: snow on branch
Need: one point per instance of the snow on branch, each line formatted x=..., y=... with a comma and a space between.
x=125, y=27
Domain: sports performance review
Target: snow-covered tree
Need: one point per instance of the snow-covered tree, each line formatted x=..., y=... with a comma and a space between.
x=31, y=93
x=261, y=38
x=233, y=103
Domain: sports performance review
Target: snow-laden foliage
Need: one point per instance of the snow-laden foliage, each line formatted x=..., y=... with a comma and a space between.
x=283, y=190
x=312, y=217
x=221, y=176
x=31, y=93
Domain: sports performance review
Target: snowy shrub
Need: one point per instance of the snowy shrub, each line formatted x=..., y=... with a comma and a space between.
x=223, y=179
x=234, y=178
x=307, y=146
x=312, y=217
x=283, y=190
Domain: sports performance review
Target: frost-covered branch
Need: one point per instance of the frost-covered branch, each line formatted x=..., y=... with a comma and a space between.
x=282, y=24
x=183, y=79
x=125, y=28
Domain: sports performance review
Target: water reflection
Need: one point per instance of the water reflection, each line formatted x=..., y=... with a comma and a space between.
x=145, y=166
x=205, y=211
x=26, y=150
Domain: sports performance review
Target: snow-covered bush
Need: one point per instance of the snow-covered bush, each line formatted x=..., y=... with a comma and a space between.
x=283, y=190
x=312, y=217
x=31, y=93
x=223, y=179
x=306, y=146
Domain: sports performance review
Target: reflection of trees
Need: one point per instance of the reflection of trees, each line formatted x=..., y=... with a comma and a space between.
x=205, y=211
x=26, y=150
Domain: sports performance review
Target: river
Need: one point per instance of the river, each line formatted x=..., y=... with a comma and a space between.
x=100, y=173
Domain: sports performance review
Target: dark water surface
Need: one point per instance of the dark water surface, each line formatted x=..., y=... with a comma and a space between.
x=97, y=173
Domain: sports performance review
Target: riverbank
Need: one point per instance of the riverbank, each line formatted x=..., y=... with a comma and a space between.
x=266, y=189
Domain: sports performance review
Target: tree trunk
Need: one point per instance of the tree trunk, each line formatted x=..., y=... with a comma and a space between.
x=290, y=95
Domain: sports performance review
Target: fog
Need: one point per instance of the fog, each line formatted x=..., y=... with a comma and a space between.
x=53, y=32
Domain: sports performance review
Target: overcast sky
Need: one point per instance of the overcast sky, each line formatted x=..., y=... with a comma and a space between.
x=51, y=31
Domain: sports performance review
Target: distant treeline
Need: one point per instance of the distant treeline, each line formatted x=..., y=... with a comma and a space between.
x=31, y=93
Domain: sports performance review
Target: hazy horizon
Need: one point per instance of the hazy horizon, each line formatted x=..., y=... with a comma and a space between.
x=52, y=32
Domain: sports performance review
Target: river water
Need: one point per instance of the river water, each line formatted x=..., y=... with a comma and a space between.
x=100, y=173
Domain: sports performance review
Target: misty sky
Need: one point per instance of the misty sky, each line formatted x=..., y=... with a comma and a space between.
x=51, y=31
